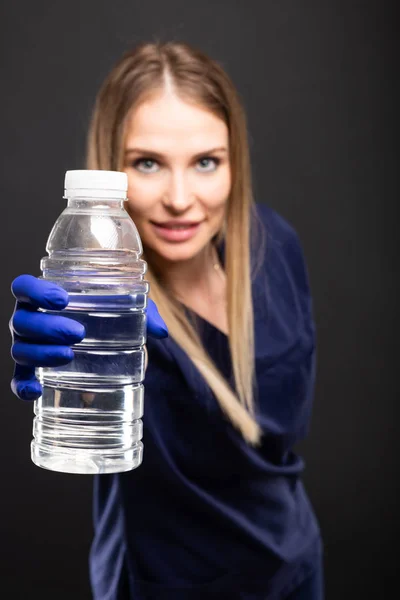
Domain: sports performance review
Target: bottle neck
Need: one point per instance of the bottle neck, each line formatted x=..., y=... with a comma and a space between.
x=90, y=202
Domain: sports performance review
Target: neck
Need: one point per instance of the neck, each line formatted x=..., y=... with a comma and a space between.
x=202, y=275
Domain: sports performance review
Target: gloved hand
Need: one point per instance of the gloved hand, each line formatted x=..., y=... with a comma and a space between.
x=43, y=340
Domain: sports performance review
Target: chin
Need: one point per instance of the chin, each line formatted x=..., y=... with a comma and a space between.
x=179, y=252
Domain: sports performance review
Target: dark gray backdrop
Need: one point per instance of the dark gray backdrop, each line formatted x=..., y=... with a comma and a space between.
x=317, y=80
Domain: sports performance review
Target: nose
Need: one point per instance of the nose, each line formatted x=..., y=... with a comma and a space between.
x=178, y=196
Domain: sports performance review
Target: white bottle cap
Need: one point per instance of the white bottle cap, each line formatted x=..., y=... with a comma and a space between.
x=95, y=184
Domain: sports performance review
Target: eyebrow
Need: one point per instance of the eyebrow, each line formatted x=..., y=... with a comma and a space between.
x=159, y=155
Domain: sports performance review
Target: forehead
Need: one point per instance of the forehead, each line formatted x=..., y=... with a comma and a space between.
x=166, y=122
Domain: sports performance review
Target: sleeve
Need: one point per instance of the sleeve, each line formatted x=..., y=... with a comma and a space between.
x=284, y=240
x=295, y=258
x=287, y=344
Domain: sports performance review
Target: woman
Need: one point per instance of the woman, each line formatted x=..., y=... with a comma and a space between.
x=217, y=510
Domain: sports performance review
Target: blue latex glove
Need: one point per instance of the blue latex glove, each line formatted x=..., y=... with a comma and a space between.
x=44, y=340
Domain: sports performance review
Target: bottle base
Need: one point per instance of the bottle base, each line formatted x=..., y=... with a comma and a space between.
x=86, y=461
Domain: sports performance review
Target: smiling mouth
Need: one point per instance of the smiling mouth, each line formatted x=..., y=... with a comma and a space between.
x=176, y=226
x=176, y=232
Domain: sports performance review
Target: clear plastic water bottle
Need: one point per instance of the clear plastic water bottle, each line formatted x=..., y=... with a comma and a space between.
x=88, y=419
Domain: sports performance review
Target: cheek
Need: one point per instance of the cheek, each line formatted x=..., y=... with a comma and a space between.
x=143, y=194
x=215, y=191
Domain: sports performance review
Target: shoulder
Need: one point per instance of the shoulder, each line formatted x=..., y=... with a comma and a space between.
x=280, y=252
x=275, y=238
x=275, y=226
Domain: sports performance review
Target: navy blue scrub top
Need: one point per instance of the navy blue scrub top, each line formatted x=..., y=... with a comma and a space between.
x=206, y=516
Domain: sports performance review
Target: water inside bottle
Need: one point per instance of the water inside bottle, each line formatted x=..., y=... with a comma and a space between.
x=88, y=419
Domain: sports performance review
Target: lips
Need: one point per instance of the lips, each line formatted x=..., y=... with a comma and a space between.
x=176, y=224
x=176, y=231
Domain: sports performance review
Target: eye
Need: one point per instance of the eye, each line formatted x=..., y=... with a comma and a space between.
x=207, y=164
x=146, y=165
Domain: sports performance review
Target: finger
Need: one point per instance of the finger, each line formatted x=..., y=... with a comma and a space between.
x=39, y=293
x=155, y=324
x=50, y=329
x=38, y=355
x=24, y=383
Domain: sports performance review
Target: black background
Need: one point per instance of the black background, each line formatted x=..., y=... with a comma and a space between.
x=318, y=81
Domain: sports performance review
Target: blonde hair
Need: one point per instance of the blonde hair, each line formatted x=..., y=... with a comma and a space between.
x=196, y=77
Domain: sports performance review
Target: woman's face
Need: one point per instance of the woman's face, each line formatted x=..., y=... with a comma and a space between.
x=179, y=177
